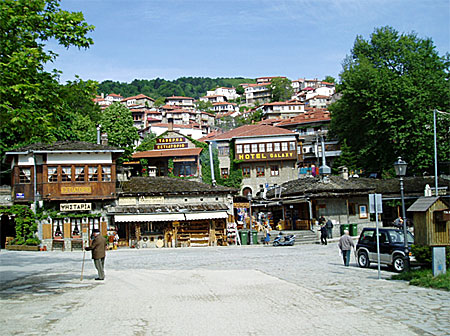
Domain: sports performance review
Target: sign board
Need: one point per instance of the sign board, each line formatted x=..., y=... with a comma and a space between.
x=170, y=140
x=127, y=201
x=375, y=200
x=286, y=155
x=171, y=146
x=241, y=205
x=151, y=200
x=20, y=195
x=76, y=190
x=439, y=266
x=75, y=207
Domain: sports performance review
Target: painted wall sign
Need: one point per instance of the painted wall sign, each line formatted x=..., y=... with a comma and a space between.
x=266, y=156
x=151, y=200
x=76, y=190
x=171, y=146
x=170, y=140
x=75, y=207
x=127, y=201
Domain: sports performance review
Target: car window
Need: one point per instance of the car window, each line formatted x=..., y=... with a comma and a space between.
x=367, y=237
x=383, y=238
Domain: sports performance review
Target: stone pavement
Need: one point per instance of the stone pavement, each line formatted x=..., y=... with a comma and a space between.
x=251, y=290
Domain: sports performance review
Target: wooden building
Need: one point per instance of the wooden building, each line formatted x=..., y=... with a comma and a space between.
x=171, y=212
x=431, y=221
x=72, y=181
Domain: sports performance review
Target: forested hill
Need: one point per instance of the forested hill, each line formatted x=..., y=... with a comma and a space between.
x=185, y=86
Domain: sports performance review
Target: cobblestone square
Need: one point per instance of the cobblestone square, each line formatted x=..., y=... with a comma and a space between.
x=252, y=290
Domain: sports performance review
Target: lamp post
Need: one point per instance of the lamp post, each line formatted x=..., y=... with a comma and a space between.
x=249, y=197
x=400, y=170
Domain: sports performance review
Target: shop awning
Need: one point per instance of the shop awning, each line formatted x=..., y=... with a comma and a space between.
x=206, y=215
x=150, y=217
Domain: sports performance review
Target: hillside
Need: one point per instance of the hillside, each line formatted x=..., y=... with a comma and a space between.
x=185, y=86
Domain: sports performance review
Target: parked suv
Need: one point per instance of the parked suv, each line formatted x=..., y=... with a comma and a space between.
x=392, y=247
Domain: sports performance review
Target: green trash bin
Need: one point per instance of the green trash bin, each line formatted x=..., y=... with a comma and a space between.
x=344, y=227
x=353, y=229
x=243, y=234
x=254, y=237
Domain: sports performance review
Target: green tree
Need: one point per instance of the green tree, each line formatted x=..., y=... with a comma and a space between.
x=390, y=85
x=280, y=89
x=204, y=106
x=117, y=122
x=347, y=159
x=329, y=79
x=30, y=101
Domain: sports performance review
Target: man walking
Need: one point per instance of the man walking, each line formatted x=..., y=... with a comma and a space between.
x=98, y=248
x=329, y=228
x=323, y=234
x=346, y=244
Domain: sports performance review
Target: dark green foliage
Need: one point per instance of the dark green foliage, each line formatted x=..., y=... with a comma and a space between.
x=347, y=159
x=424, y=255
x=424, y=278
x=26, y=224
x=329, y=79
x=390, y=85
x=280, y=89
x=194, y=87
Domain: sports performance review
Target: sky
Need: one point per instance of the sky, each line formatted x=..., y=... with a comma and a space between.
x=146, y=39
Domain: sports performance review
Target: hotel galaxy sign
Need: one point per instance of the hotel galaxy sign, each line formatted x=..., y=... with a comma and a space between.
x=267, y=156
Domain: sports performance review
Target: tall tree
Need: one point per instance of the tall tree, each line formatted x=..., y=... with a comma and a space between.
x=117, y=122
x=390, y=85
x=330, y=79
x=280, y=89
x=30, y=102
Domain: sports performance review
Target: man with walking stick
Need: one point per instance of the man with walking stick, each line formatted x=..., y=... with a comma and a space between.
x=98, y=248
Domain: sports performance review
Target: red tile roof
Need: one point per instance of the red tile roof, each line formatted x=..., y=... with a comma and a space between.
x=168, y=153
x=139, y=96
x=179, y=97
x=312, y=115
x=253, y=131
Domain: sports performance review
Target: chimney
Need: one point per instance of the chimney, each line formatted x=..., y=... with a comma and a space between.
x=170, y=126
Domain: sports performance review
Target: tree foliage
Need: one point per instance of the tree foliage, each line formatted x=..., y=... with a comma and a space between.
x=185, y=86
x=390, y=85
x=117, y=122
x=31, y=102
x=280, y=89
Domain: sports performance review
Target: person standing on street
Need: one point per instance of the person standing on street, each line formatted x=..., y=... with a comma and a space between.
x=329, y=226
x=323, y=235
x=98, y=248
x=346, y=244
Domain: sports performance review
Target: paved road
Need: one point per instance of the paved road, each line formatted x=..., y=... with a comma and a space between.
x=255, y=290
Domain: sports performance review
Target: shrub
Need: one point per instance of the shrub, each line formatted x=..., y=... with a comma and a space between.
x=424, y=254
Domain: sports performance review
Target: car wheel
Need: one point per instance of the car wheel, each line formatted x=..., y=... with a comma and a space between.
x=363, y=259
x=398, y=264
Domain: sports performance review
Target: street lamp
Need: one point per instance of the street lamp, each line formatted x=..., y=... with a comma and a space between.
x=249, y=197
x=400, y=170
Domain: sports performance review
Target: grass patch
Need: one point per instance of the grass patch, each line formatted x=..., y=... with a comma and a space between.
x=424, y=278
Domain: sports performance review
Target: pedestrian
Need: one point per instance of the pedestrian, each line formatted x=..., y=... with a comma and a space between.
x=329, y=226
x=323, y=235
x=98, y=248
x=267, y=238
x=321, y=220
x=398, y=223
x=346, y=244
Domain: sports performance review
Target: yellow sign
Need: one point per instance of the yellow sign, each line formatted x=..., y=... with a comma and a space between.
x=265, y=156
x=127, y=201
x=171, y=146
x=76, y=190
x=151, y=200
x=241, y=205
x=169, y=140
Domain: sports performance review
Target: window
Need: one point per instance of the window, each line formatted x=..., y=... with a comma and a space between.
x=276, y=146
x=245, y=171
x=239, y=149
x=274, y=171
x=79, y=174
x=52, y=173
x=292, y=146
x=262, y=148
x=76, y=227
x=259, y=171
x=224, y=151
x=367, y=237
x=106, y=174
x=269, y=147
x=224, y=172
x=254, y=148
x=58, y=228
x=66, y=174
x=351, y=208
x=24, y=175
x=93, y=174
x=246, y=148
x=284, y=146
